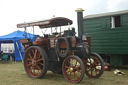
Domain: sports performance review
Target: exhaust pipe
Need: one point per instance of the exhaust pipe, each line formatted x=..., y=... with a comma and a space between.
x=80, y=21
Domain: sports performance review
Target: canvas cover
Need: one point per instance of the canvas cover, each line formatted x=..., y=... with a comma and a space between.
x=14, y=38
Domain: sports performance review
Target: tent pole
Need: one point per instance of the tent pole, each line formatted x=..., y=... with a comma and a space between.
x=33, y=30
x=25, y=32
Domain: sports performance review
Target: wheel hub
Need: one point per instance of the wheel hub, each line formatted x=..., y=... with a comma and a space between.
x=71, y=69
x=33, y=62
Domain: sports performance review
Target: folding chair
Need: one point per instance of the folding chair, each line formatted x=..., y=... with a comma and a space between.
x=4, y=58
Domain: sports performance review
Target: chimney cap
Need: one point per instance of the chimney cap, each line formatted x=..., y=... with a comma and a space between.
x=79, y=10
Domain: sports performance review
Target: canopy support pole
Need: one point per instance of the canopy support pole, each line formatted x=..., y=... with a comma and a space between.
x=34, y=33
x=25, y=32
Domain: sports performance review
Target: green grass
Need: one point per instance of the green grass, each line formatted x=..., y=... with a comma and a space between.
x=14, y=74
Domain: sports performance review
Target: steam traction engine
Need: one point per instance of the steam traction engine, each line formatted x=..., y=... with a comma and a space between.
x=60, y=52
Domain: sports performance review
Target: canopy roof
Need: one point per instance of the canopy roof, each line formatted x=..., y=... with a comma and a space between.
x=54, y=22
x=14, y=38
x=15, y=35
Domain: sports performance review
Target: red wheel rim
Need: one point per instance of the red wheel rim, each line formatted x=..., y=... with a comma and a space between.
x=72, y=69
x=33, y=62
x=93, y=67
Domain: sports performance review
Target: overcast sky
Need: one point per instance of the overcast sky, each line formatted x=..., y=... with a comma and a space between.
x=13, y=12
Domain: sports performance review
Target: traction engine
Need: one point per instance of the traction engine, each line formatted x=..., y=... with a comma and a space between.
x=60, y=52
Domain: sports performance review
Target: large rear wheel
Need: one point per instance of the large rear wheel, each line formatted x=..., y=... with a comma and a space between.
x=73, y=69
x=35, y=62
x=94, y=66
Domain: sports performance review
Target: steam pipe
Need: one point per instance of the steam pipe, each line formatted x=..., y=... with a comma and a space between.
x=80, y=21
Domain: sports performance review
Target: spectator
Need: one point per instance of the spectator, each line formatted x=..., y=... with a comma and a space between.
x=1, y=53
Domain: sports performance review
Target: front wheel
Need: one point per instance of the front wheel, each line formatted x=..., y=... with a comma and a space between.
x=94, y=66
x=73, y=69
x=35, y=62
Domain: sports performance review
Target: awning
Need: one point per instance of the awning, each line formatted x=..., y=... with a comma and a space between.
x=54, y=22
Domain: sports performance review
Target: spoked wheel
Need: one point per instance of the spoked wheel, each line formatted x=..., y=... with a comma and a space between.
x=94, y=66
x=73, y=69
x=35, y=62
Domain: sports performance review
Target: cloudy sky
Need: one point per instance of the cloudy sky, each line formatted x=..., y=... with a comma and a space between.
x=13, y=12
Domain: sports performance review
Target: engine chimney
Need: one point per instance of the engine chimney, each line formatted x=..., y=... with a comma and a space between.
x=80, y=21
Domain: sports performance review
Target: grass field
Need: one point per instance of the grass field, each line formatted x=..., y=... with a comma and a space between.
x=14, y=74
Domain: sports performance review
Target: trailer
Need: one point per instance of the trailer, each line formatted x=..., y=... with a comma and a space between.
x=108, y=33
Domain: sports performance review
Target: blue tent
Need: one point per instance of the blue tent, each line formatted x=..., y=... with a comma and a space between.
x=14, y=38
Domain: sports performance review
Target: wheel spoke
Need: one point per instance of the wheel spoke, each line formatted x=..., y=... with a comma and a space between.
x=31, y=68
x=33, y=51
x=30, y=56
x=39, y=56
x=29, y=59
x=29, y=64
x=41, y=63
x=34, y=71
x=91, y=71
x=39, y=60
x=77, y=67
x=75, y=75
x=67, y=67
x=79, y=71
x=67, y=71
x=38, y=72
x=39, y=68
x=69, y=62
x=35, y=54
x=97, y=62
x=70, y=75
